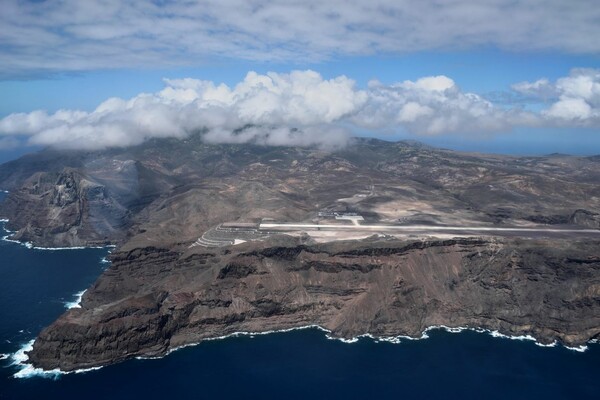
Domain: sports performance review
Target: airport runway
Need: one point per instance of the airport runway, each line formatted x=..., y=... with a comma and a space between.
x=432, y=229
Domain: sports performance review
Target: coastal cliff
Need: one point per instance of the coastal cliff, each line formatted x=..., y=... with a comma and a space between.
x=191, y=262
x=64, y=209
x=153, y=300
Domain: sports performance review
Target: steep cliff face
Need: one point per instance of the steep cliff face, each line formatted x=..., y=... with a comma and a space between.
x=64, y=209
x=152, y=300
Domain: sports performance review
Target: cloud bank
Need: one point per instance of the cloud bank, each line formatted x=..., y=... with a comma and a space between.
x=299, y=108
x=575, y=99
x=302, y=108
x=73, y=35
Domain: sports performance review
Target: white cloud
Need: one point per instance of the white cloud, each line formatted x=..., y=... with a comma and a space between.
x=581, y=83
x=570, y=109
x=303, y=108
x=430, y=106
x=75, y=35
x=576, y=98
x=542, y=88
x=322, y=135
x=298, y=108
x=33, y=122
x=431, y=84
x=412, y=111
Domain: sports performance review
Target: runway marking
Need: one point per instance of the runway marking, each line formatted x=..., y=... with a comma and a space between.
x=424, y=228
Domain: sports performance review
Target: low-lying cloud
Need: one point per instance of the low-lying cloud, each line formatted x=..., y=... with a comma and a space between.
x=299, y=108
x=302, y=108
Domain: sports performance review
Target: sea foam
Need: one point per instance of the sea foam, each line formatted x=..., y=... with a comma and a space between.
x=579, y=349
x=242, y=333
x=77, y=302
x=26, y=370
x=390, y=339
x=494, y=333
x=30, y=245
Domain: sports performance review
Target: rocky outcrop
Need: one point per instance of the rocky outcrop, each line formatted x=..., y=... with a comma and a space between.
x=548, y=219
x=65, y=209
x=152, y=300
x=585, y=218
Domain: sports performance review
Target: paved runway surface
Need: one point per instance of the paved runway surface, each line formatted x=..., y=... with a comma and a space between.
x=431, y=229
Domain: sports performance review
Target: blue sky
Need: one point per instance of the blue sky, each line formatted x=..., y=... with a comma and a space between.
x=499, y=76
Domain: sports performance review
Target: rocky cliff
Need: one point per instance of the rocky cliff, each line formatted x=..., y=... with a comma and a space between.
x=65, y=208
x=152, y=300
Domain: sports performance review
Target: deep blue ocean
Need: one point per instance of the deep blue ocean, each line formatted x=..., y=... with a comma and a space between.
x=36, y=284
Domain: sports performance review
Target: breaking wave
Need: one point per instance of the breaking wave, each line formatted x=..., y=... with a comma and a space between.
x=26, y=370
x=77, y=302
x=30, y=245
x=390, y=339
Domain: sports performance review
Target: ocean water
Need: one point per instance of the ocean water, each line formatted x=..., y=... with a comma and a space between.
x=36, y=286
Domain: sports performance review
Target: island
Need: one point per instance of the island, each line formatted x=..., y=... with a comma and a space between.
x=374, y=238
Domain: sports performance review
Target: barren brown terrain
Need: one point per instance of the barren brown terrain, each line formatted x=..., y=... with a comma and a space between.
x=192, y=261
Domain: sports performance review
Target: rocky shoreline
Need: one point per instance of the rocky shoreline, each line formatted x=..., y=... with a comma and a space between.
x=151, y=301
